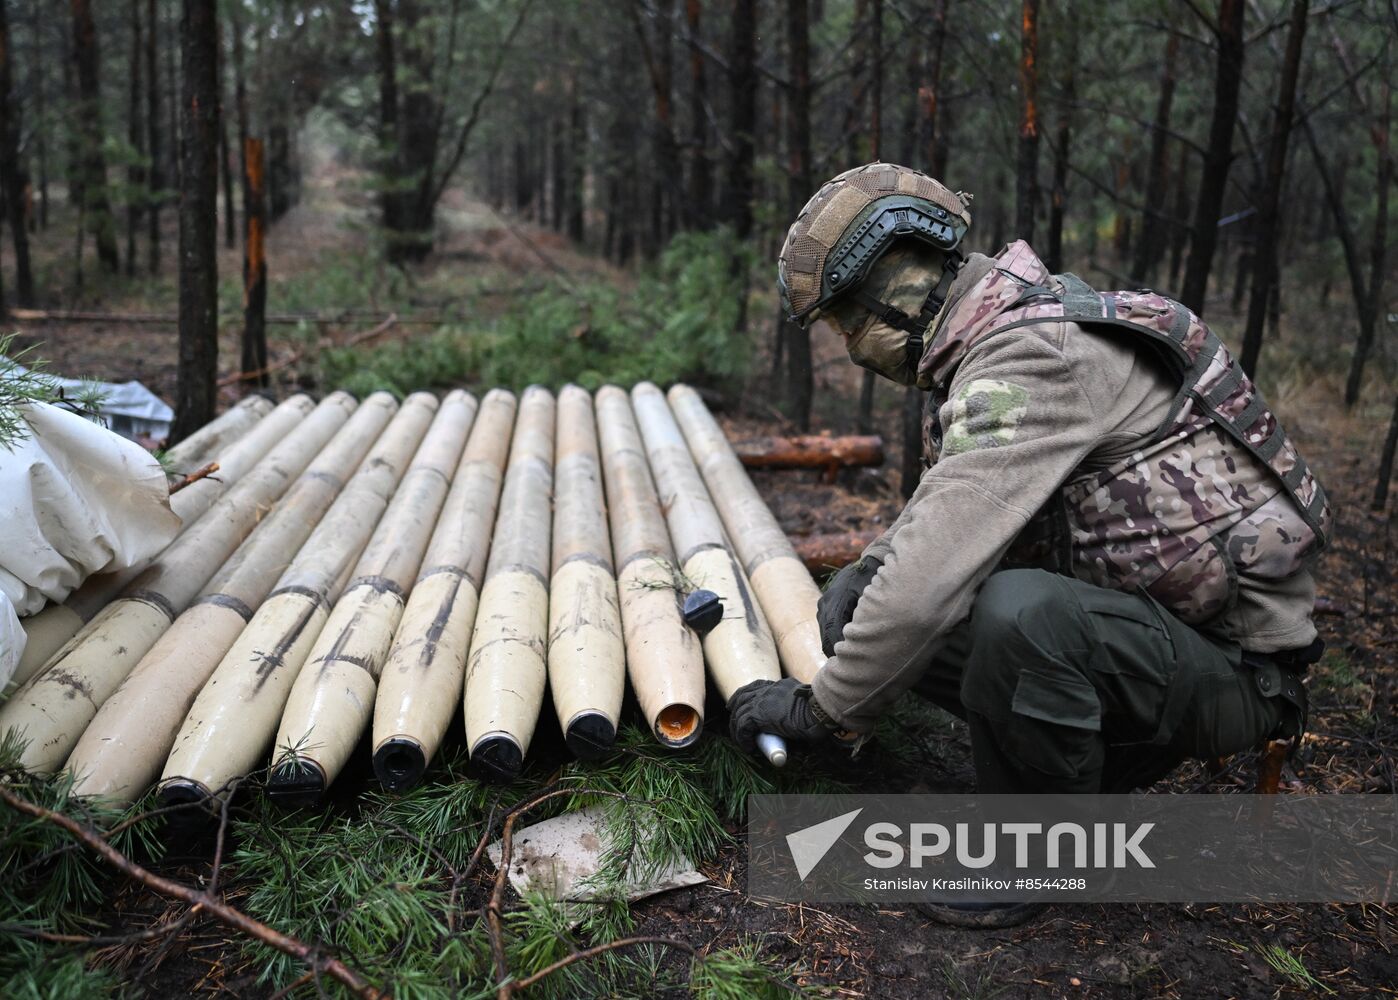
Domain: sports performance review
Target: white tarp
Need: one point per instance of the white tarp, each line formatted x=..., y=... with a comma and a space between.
x=75, y=499
x=128, y=408
x=11, y=640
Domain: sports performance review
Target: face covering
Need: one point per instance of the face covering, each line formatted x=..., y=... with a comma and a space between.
x=885, y=350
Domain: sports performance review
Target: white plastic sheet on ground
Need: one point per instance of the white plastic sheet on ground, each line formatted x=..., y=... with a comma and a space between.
x=128, y=408
x=75, y=499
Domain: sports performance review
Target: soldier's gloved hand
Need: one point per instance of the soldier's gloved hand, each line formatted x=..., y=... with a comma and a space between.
x=837, y=604
x=783, y=708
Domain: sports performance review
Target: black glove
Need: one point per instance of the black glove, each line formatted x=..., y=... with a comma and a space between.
x=783, y=708
x=837, y=604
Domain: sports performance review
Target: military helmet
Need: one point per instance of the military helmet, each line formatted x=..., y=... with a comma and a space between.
x=852, y=221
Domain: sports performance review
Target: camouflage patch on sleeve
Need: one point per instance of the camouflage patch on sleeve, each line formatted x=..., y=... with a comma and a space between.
x=985, y=413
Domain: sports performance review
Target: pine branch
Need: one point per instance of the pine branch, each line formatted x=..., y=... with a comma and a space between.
x=217, y=908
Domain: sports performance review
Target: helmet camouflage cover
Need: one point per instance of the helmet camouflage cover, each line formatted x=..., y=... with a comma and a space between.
x=852, y=221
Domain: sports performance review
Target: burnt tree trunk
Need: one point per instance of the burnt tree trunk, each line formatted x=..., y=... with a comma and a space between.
x=1150, y=244
x=1264, y=255
x=1219, y=156
x=795, y=340
x=12, y=179
x=155, y=173
x=226, y=169
x=254, y=354
x=196, y=391
x=93, y=163
x=1027, y=168
x=1372, y=302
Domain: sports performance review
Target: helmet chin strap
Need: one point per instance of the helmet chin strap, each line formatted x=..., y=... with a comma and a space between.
x=914, y=326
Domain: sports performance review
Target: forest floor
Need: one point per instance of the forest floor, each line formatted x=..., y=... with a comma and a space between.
x=847, y=951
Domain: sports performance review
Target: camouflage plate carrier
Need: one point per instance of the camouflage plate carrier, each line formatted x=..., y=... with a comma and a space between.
x=1219, y=490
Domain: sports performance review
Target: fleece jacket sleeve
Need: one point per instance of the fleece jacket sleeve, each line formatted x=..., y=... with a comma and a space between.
x=1016, y=423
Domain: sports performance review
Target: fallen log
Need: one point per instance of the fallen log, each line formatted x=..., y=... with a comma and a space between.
x=825, y=552
x=811, y=451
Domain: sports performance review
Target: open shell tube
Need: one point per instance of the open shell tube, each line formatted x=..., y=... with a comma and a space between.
x=54, y=708
x=506, y=672
x=235, y=715
x=784, y=587
x=663, y=656
x=47, y=631
x=205, y=444
x=333, y=697
x=739, y=649
x=124, y=748
x=421, y=683
x=586, y=655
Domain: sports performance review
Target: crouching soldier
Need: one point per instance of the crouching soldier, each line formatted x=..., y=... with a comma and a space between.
x=1104, y=567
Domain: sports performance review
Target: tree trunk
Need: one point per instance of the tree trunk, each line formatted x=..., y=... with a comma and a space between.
x=929, y=92
x=155, y=173
x=196, y=392
x=577, y=163
x=172, y=107
x=796, y=341
x=135, y=172
x=1150, y=245
x=1378, y=251
x=1179, y=228
x=225, y=162
x=656, y=53
x=1265, y=264
x=1390, y=445
x=1062, y=152
x=12, y=179
x=914, y=400
x=390, y=197
x=254, y=359
x=93, y=165
x=1219, y=156
x=700, y=184
x=39, y=77
x=876, y=79
x=1027, y=171
x=742, y=96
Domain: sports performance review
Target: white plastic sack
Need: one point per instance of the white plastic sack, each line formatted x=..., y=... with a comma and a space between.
x=11, y=640
x=75, y=499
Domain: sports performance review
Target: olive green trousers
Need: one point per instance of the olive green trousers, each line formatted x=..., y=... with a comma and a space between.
x=1069, y=687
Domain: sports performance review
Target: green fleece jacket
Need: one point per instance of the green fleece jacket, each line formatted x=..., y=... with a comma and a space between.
x=1073, y=402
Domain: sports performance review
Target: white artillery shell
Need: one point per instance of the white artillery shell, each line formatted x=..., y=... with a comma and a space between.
x=784, y=588
x=506, y=671
x=235, y=716
x=422, y=681
x=124, y=748
x=739, y=649
x=586, y=655
x=663, y=657
x=333, y=698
